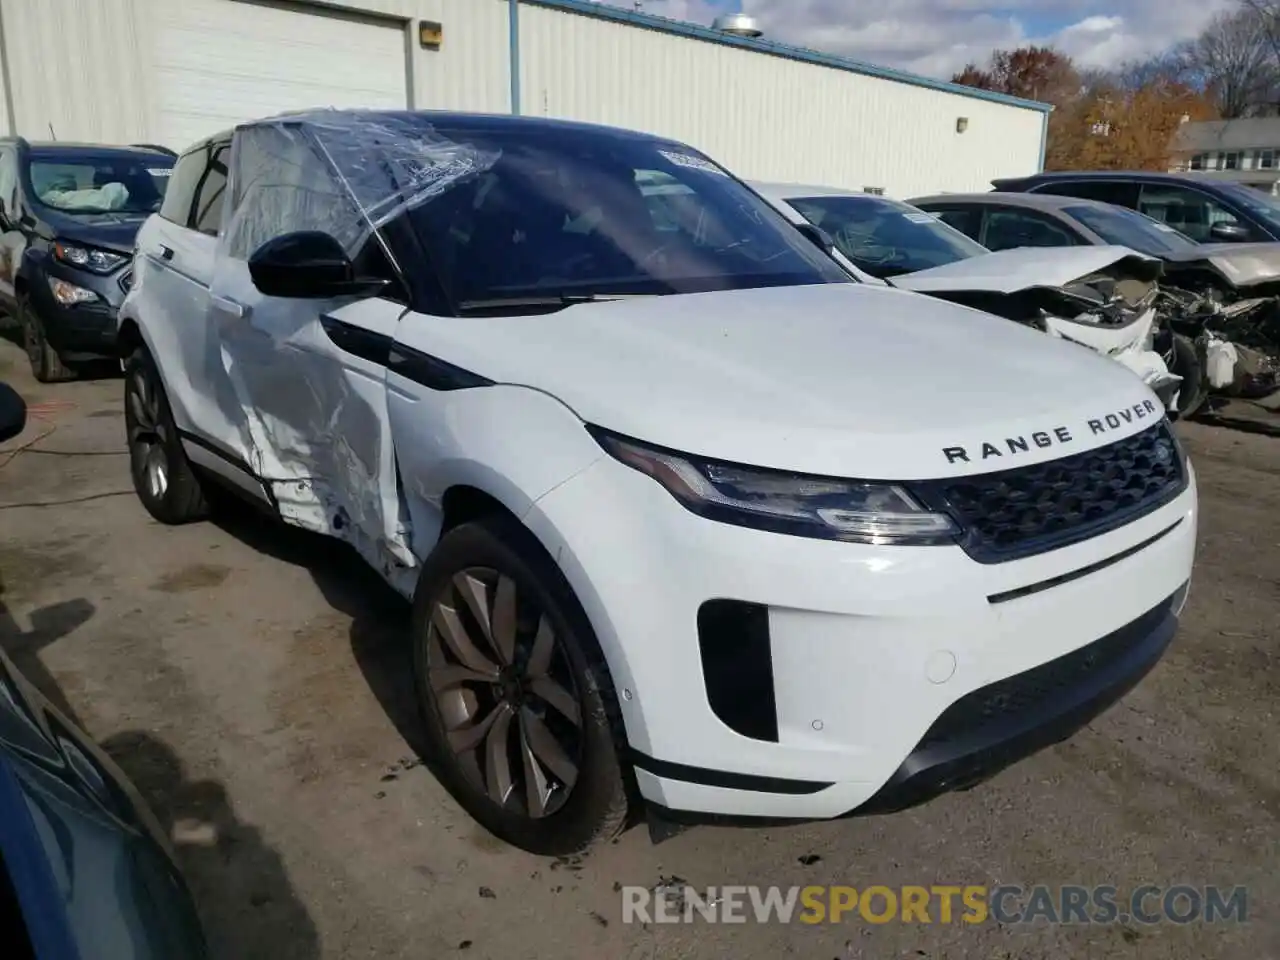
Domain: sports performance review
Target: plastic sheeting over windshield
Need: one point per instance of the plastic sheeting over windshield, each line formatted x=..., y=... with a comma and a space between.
x=341, y=172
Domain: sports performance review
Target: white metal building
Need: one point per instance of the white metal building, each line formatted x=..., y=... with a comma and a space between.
x=172, y=71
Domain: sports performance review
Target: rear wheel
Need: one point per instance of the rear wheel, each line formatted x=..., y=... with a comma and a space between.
x=162, y=475
x=518, y=706
x=46, y=364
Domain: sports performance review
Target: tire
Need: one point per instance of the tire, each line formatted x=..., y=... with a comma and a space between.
x=584, y=789
x=162, y=475
x=46, y=364
x=1187, y=364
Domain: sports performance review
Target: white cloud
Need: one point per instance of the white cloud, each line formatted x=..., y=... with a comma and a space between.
x=938, y=37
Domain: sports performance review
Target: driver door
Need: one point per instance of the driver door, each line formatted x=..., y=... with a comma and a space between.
x=310, y=376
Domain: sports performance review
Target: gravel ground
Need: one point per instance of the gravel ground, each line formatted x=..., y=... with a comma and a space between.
x=254, y=683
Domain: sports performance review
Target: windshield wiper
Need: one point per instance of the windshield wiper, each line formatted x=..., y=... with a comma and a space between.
x=551, y=301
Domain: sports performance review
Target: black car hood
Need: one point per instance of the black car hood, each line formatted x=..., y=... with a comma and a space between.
x=108, y=231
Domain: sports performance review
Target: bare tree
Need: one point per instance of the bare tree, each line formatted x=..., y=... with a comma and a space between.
x=1175, y=65
x=1237, y=59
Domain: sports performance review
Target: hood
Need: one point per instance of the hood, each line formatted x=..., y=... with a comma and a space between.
x=1242, y=264
x=1007, y=271
x=109, y=231
x=837, y=379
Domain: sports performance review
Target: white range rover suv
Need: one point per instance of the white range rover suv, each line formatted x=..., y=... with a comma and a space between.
x=689, y=518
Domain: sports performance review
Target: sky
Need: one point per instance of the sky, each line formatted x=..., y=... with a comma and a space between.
x=938, y=37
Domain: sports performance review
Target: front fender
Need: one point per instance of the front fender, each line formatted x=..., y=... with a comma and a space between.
x=513, y=443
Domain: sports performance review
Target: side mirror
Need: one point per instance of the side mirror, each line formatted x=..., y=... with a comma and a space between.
x=1228, y=232
x=818, y=237
x=308, y=265
x=13, y=413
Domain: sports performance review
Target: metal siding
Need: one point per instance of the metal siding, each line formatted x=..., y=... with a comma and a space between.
x=216, y=64
x=765, y=116
x=469, y=71
x=768, y=117
x=78, y=66
x=88, y=66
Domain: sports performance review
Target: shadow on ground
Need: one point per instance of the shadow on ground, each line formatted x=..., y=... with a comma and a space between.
x=379, y=629
x=1266, y=428
x=242, y=892
x=48, y=624
x=246, y=902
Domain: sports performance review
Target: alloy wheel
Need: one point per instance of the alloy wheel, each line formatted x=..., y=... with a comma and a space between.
x=32, y=342
x=147, y=433
x=505, y=692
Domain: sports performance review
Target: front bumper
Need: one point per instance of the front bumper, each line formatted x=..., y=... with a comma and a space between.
x=985, y=731
x=87, y=330
x=871, y=653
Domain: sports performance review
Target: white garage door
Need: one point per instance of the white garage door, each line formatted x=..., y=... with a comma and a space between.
x=220, y=62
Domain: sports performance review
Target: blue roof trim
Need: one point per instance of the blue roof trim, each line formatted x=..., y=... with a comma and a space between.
x=681, y=28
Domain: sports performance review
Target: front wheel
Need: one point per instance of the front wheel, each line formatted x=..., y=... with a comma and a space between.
x=46, y=364
x=518, y=706
x=162, y=475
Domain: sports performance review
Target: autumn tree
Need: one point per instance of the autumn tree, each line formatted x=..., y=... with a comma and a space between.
x=1033, y=73
x=1111, y=127
x=1100, y=121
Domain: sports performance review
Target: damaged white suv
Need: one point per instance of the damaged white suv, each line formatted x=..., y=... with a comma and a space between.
x=687, y=515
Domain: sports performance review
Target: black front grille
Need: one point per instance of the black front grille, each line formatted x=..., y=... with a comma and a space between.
x=126, y=281
x=1027, y=510
x=1005, y=701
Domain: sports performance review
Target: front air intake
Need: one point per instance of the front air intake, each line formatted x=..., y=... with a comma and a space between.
x=737, y=667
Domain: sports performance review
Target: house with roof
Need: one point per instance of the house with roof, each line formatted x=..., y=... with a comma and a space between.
x=1245, y=151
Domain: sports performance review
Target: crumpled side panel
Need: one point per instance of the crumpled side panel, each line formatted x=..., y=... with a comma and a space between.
x=316, y=416
x=342, y=172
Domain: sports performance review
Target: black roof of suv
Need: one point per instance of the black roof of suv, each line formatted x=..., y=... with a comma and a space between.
x=1208, y=209
x=1028, y=184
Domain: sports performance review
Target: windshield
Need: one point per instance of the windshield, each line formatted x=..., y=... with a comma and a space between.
x=76, y=182
x=1255, y=201
x=1126, y=228
x=884, y=237
x=581, y=213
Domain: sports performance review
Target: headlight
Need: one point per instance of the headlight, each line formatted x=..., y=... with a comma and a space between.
x=86, y=258
x=68, y=294
x=791, y=503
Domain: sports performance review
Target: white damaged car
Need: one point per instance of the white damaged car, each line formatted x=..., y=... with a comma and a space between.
x=1103, y=297
x=690, y=520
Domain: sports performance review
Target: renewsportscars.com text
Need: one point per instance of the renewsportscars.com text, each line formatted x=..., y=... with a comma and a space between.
x=1179, y=904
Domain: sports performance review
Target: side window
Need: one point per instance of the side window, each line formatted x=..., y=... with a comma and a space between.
x=207, y=206
x=1121, y=193
x=199, y=179
x=968, y=220
x=1188, y=211
x=283, y=183
x=1008, y=229
x=176, y=207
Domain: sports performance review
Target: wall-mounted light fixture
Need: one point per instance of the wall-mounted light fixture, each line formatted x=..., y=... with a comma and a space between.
x=430, y=34
x=962, y=124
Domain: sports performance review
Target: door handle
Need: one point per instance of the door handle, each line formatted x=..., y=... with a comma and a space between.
x=231, y=307
x=166, y=253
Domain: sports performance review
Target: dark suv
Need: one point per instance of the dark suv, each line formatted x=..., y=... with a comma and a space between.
x=69, y=213
x=1205, y=209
